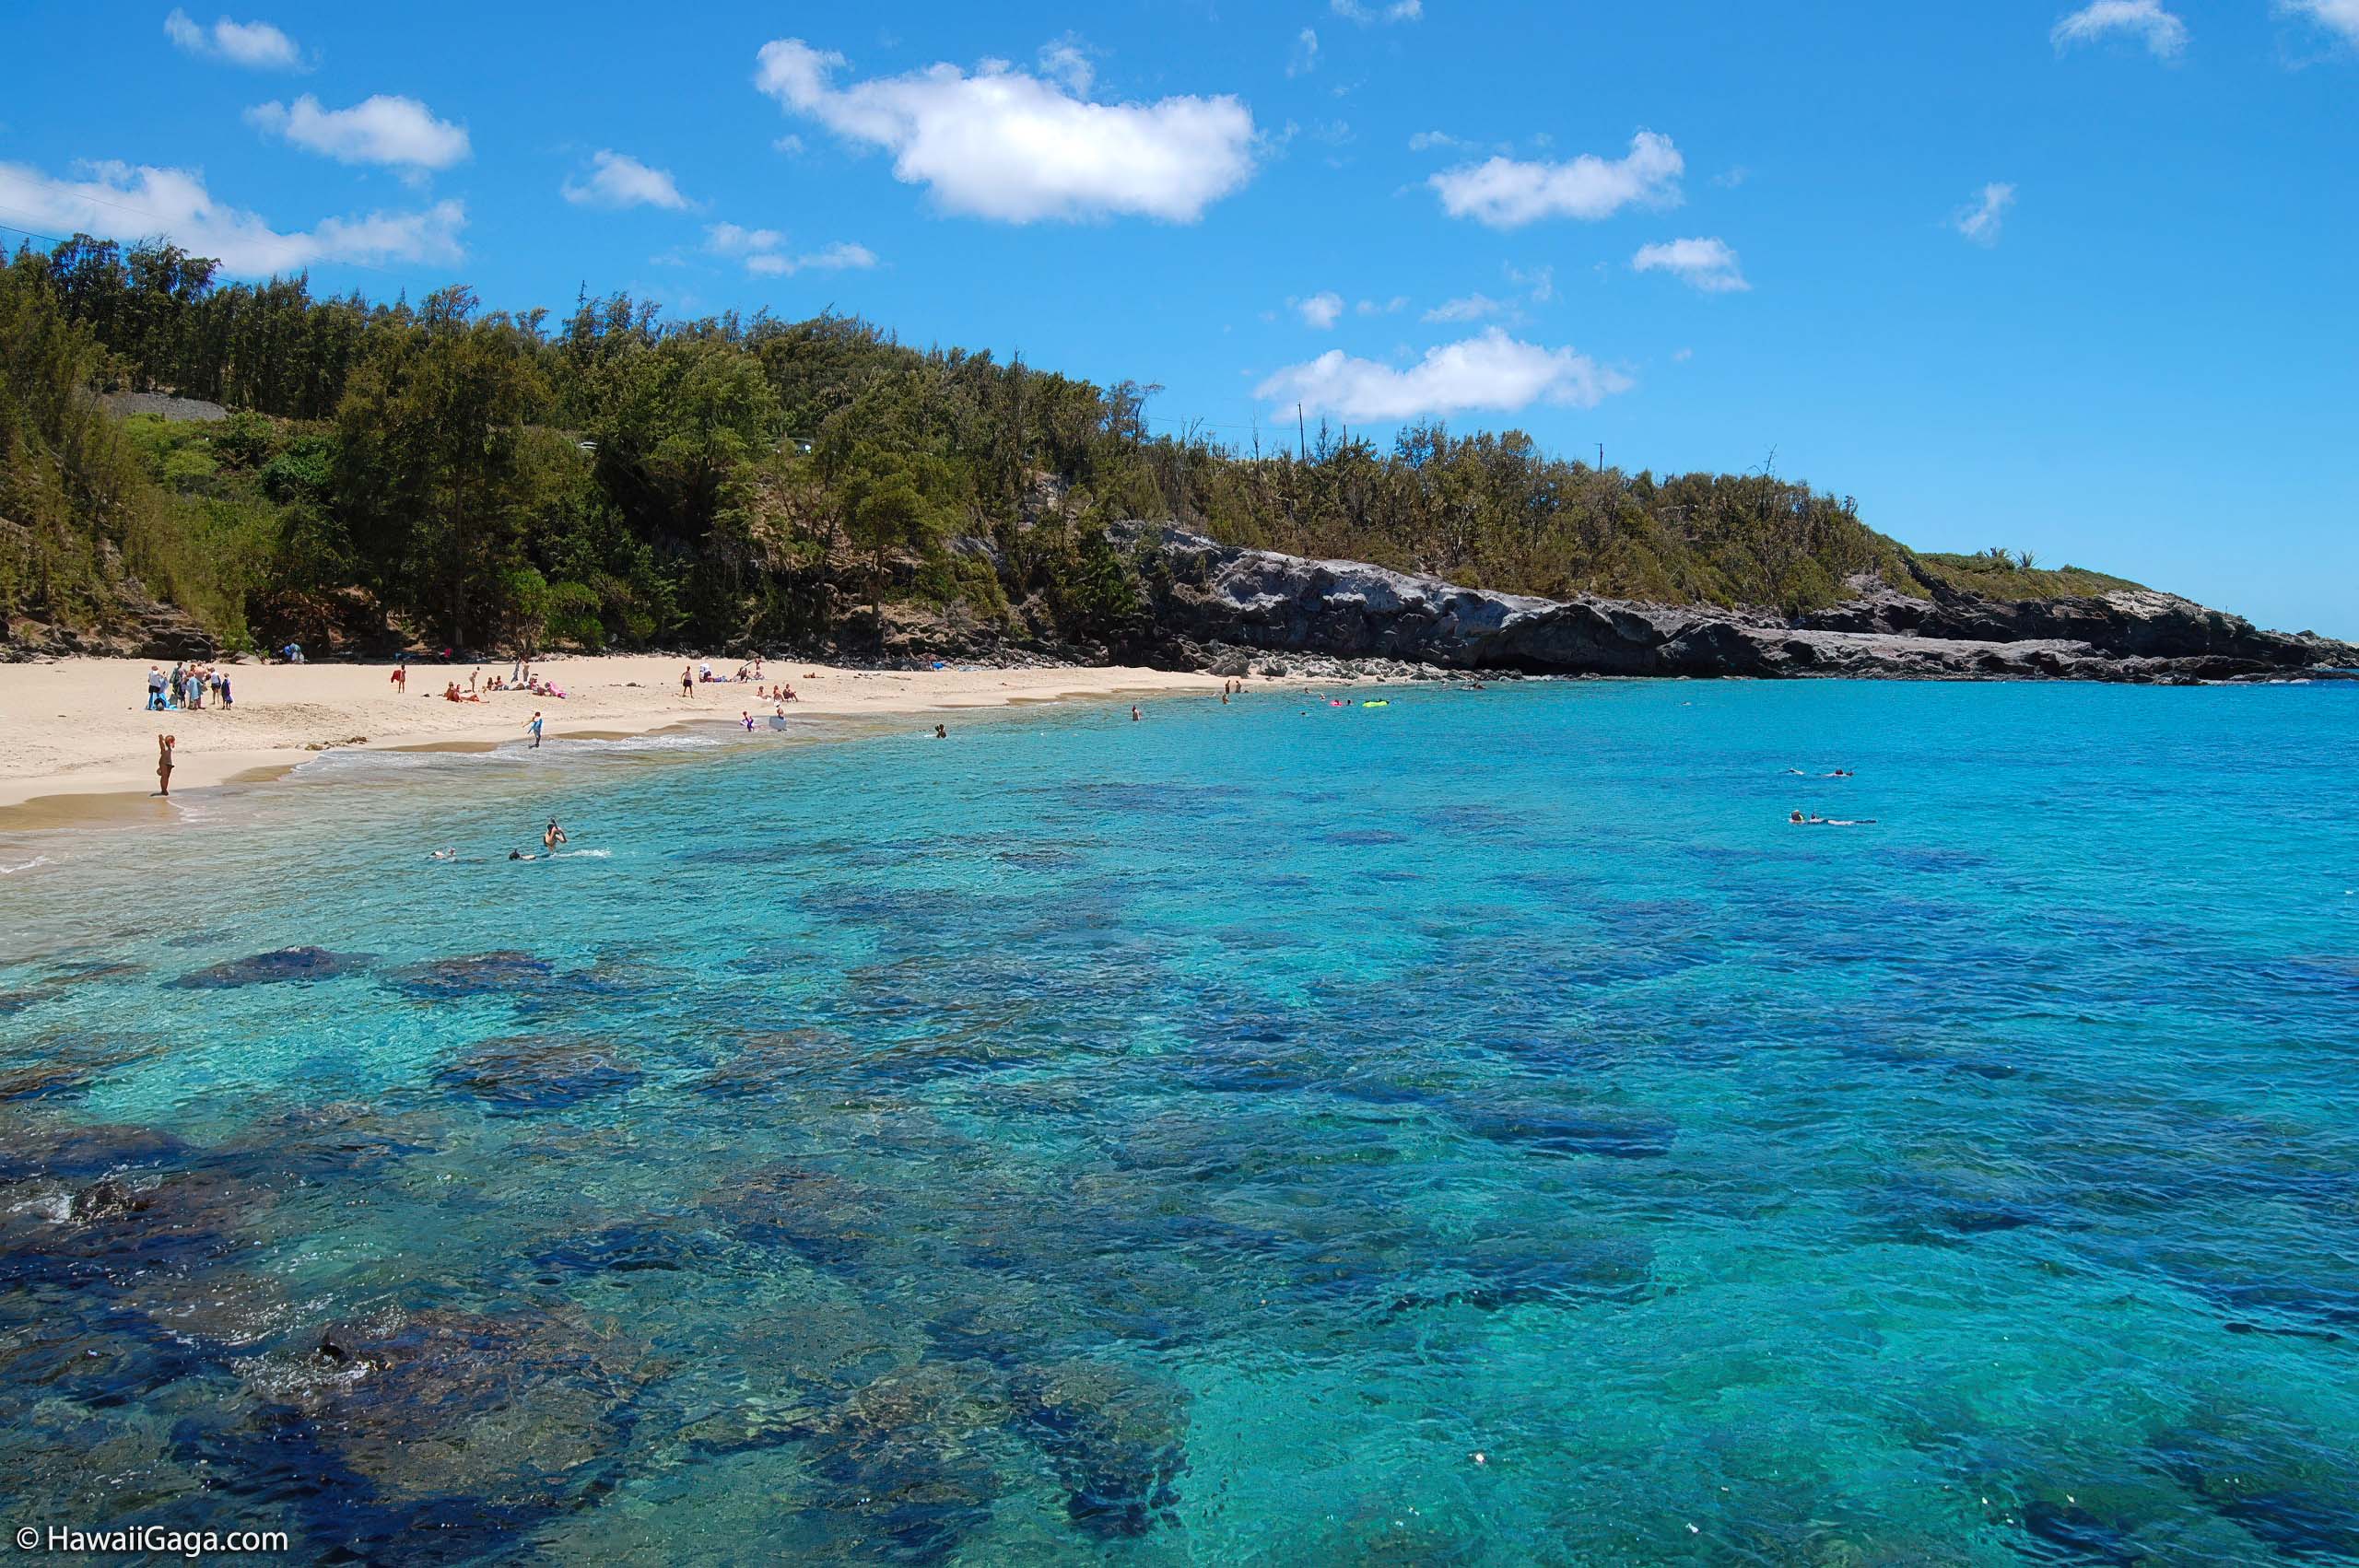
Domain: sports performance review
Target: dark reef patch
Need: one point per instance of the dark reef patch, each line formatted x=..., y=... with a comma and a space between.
x=482, y=974
x=539, y=1072
x=1115, y=1440
x=1544, y=1129
x=286, y=966
x=819, y=1216
x=439, y=1433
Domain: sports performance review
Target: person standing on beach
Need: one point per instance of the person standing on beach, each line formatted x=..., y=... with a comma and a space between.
x=687, y=682
x=164, y=745
x=536, y=728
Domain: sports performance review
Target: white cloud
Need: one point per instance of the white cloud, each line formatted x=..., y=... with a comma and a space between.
x=1508, y=193
x=126, y=203
x=399, y=132
x=1067, y=60
x=728, y=239
x=1681, y=356
x=256, y=45
x=1473, y=307
x=1305, y=58
x=1980, y=221
x=2166, y=35
x=2341, y=16
x=1392, y=307
x=1425, y=141
x=1399, y=11
x=1492, y=372
x=789, y=143
x=1542, y=281
x=762, y=252
x=1705, y=264
x=1018, y=149
x=1319, y=312
x=618, y=180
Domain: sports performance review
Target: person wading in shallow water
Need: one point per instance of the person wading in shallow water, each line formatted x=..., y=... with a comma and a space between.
x=552, y=836
x=164, y=745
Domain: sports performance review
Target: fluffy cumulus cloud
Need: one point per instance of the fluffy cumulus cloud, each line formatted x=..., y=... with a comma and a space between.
x=127, y=203
x=1004, y=145
x=618, y=180
x=1492, y=373
x=400, y=133
x=1980, y=221
x=256, y=45
x=1319, y=312
x=2338, y=17
x=1508, y=192
x=764, y=254
x=2164, y=34
x=1705, y=264
x=1398, y=11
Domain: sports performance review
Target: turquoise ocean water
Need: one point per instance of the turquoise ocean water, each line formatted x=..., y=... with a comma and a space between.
x=1198, y=1141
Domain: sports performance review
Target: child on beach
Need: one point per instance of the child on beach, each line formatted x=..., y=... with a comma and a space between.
x=536, y=728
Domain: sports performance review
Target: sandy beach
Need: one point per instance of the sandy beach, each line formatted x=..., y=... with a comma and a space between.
x=80, y=741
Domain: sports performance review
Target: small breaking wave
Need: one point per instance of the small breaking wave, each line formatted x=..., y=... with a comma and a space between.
x=28, y=865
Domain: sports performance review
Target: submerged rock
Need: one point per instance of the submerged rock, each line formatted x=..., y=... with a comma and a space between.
x=1547, y=1130
x=439, y=1431
x=484, y=973
x=539, y=1072
x=32, y=1146
x=1117, y=1441
x=120, y=1227
x=821, y=1217
x=287, y=964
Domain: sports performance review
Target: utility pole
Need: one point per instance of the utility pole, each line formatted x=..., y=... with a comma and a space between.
x=1600, y=457
x=1301, y=447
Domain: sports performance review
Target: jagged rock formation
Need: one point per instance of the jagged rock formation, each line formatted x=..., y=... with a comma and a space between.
x=1208, y=600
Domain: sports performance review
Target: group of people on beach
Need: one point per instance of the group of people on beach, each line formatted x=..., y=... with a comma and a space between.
x=186, y=686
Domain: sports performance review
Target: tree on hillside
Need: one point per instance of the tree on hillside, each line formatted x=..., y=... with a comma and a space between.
x=430, y=469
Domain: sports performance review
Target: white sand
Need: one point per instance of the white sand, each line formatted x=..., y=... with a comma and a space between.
x=77, y=727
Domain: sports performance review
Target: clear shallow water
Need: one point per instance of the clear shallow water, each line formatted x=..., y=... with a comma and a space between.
x=1194, y=1141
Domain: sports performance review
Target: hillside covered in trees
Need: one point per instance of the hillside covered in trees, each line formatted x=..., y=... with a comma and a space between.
x=436, y=474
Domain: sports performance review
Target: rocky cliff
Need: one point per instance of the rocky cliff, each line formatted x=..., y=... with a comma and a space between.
x=1206, y=599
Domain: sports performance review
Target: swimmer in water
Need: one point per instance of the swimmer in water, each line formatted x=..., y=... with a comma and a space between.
x=520, y=855
x=941, y=733
x=552, y=836
x=445, y=855
x=1134, y=713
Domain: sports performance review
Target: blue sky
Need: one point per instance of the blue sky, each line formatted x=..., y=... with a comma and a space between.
x=2077, y=279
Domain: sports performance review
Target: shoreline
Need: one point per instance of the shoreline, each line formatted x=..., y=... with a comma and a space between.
x=82, y=746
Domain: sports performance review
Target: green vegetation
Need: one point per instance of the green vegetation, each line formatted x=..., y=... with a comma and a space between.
x=488, y=479
x=2004, y=573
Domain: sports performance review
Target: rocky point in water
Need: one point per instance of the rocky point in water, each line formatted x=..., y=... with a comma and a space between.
x=1220, y=606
